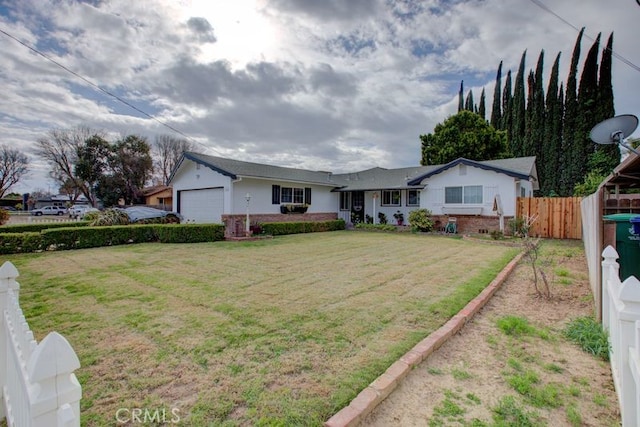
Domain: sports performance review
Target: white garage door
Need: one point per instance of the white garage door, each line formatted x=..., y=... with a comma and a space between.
x=202, y=206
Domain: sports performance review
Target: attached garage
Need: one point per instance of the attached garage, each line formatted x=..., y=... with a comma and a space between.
x=201, y=206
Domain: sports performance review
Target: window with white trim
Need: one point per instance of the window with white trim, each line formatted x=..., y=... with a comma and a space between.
x=293, y=195
x=413, y=197
x=391, y=197
x=468, y=194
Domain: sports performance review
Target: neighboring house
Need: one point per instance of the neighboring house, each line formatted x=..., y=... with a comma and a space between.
x=159, y=196
x=480, y=194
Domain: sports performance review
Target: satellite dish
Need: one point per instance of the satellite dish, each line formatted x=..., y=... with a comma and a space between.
x=615, y=130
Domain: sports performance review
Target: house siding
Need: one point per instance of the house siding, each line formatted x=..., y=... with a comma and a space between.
x=493, y=183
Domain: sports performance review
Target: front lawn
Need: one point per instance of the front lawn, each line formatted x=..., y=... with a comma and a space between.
x=273, y=332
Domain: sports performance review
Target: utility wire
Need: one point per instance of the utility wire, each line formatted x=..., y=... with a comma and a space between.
x=616, y=55
x=103, y=90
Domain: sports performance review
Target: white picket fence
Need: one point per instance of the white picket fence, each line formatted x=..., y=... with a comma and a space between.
x=621, y=317
x=38, y=386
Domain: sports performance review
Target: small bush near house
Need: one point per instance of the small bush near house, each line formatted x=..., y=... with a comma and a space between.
x=282, y=228
x=382, y=218
x=518, y=227
x=15, y=243
x=377, y=227
x=420, y=220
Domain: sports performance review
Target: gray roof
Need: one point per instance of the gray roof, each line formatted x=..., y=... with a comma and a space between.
x=237, y=168
x=369, y=179
x=517, y=167
x=378, y=178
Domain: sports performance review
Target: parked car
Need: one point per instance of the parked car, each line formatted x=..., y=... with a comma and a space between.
x=144, y=213
x=49, y=210
x=79, y=211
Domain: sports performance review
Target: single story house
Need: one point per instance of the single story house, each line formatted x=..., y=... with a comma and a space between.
x=158, y=196
x=480, y=194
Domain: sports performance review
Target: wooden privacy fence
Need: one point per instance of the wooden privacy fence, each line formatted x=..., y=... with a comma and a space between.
x=557, y=217
x=37, y=383
x=621, y=317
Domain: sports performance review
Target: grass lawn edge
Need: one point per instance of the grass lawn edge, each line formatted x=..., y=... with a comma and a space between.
x=366, y=401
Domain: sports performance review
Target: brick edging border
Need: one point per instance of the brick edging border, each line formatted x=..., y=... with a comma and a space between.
x=382, y=386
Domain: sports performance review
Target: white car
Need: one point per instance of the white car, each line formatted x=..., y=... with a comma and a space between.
x=79, y=211
x=49, y=210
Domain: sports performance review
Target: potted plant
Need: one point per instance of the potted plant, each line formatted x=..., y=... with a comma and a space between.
x=399, y=216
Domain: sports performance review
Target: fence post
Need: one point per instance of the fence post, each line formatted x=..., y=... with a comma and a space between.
x=610, y=271
x=630, y=313
x=55, y=401
x=8, y=275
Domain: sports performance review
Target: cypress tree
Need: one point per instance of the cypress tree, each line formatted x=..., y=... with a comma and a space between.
x=481, y=106
x=496, y=111
x=538, y=113
x=529, y=128
x=586, y=119
x=468, y=104
x=608, y=156
x=552, y=138
x=460, y=97
x=569, y=125
x=507, y=111
x=518, y=111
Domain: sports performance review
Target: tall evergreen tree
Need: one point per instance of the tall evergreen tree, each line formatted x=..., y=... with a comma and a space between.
x=461, y=97
x=468, y=103
x=481, y=106
x=569, y=125
x=586, y=119
x=496, y=110
x=529, y=128
x=507, y=110
x=538, y=113
x=518, y=111
x=552, y=138
x=607, y=157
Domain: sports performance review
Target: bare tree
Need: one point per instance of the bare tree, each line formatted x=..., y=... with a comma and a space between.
x=60, y=149
x=167, y=151
x=13, y=166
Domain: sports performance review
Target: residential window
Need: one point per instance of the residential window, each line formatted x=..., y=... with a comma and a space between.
x=413, y=197
x=286, y=195
x=391, y=198
x=345, y=201
x=295, y=195
x=469, y=194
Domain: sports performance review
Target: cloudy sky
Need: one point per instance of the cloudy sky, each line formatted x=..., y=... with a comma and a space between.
x=336, y=85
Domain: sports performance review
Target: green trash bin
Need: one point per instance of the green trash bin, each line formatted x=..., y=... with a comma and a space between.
x=627, y=244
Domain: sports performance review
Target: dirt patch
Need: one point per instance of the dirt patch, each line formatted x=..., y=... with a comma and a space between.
x=476, y=377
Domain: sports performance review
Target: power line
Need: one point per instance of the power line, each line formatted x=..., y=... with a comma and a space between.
x=103, y=90
x=615, y=55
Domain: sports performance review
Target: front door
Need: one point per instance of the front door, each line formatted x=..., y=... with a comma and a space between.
x=357, y=207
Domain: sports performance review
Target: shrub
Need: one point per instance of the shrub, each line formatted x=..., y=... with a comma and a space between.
x=110, y=217
x=190, y=233
x=15, y=243
x=420, y=220
x=497, y=235
x=382, y=218
x=36, y=228
x=4, y=216
x=377, y=227
x=282, y=228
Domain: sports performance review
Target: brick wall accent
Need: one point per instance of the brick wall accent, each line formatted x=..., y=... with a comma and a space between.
x=473, y=223
x=235, y=224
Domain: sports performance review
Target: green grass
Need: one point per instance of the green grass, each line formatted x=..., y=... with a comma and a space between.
x=274, y=332
x=589, y=336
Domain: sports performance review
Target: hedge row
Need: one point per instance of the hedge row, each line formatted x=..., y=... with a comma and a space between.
x=28, y=228
x=91, y=237
x=281, y=228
